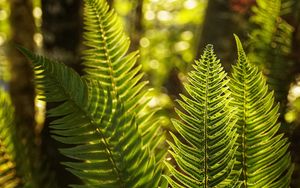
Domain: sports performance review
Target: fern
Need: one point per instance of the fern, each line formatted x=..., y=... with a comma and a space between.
x=105, y=60
x=114, y=142
x=270, y=44
x=108, y=144
x=8, y=174
x=226, y=138
x=15, y=164
x=262, y=152
x=206, y=156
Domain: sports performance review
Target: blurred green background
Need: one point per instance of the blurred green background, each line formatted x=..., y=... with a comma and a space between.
x=169, y=34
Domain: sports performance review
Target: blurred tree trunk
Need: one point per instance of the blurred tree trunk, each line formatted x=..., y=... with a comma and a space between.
x=219, y=25
x=61, y=30
x=111, y=3
x=294, y=20
x=136, y=21
x=21, y=86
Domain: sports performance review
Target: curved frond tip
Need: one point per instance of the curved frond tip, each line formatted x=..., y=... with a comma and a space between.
x=262, y=152
x=205, y=149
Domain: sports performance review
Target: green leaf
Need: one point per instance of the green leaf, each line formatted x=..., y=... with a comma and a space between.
x=8, y=169
x=106, y=60
x=205, y=154
x=262, y=152
x=107, y=142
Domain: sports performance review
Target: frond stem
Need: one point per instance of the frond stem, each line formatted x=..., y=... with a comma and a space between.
x=244, y=147
x=205, y=128
x=109, y=62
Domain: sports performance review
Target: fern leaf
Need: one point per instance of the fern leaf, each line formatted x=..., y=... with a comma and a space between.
x=205, y=156
x=262, y=153
x=105, y=57
x=15, y=167
x=105, y=60
x=108, y=146
x=8, y=171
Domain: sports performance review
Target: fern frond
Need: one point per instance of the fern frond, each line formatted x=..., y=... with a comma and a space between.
x=105, y=57
x=15, y=168
x=270, y=44
x=262, y=153
x=106, y=60
x=205, y=156
x=8, y=172
x=108, y=145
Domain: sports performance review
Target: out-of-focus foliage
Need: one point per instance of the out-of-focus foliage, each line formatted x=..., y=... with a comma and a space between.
x=291, y=10
x=170, y=28
x=270, y=45
x=167, y=43
x=4, y=76
x=293, y=114
x=8, y=172
x=15, y=170
x=170, y=33
x=4, y=35
x=4, y=24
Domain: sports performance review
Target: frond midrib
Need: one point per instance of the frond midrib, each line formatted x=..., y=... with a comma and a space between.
x=106, y=49
x=205, y=127
x=91, y=123
x=243, y=135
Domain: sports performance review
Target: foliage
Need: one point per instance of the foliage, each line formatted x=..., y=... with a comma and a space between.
x=206, y=157
x=108, y=144
x=15, y=168
x=168, y=35
x=262, y=153
x=4, y=76
x=162, y=17
x=219, y=129
x=114, y=142
x=226, y=134
x=270, y=45
x=105, y=60
x=15, y=164
x=8, y=176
